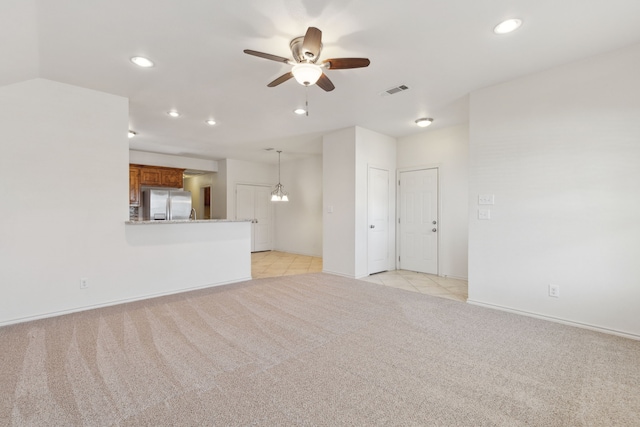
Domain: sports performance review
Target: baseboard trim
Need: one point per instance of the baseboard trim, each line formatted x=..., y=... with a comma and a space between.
x=448, y=276
x=556, y=320
x=339, y=274
x=297, y=253
x=116, y=302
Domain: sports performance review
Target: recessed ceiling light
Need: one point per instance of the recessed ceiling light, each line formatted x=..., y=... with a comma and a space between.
x=210, y=122
x=173, y=113
x=507, y=26
x=300, y=111
x=132, y=134
x=142, y=61
x=424, y=122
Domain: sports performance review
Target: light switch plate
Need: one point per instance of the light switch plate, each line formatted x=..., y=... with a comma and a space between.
x=485, y=199
x=484, y=214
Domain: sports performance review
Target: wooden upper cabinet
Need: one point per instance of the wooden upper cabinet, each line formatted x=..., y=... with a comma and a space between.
x=151, y=176
x=171, y=178
x=158, y=176
x=134, y=185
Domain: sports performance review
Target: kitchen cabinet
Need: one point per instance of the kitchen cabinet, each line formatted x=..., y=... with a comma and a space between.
x=158, y=176
x=151, y=176
x=134, y=185
x=171, y=177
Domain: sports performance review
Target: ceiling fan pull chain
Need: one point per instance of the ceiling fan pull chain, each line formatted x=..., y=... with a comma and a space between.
x=306, y=99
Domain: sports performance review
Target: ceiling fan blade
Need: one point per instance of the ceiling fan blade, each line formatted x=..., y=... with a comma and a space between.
x=266, y=56
x=283, y=78
x=325, y=83
x=312, y=43
x=343, y=63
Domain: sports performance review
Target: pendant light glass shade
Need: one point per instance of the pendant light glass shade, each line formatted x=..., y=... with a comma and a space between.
x=279, y=195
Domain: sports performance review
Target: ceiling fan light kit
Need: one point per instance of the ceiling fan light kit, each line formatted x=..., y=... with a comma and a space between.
x=306, y=74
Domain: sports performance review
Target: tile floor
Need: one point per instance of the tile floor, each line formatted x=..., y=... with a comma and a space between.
x=274, y=263
x=429, y=284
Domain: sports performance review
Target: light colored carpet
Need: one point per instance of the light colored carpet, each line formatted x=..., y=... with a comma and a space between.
x=312, y=350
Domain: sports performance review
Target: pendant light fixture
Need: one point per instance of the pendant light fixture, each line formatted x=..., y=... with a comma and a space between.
x=279, y=195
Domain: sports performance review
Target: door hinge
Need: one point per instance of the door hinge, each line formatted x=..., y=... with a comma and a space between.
x=398, y=259
x=398, y=182
x=398, y=220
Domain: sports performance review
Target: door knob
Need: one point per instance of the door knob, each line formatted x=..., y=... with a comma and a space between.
x=434, y=223
x=434, y=230
x=372, y=226
x=256, y=221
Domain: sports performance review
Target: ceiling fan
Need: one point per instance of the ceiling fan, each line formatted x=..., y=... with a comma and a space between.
x=306, y=52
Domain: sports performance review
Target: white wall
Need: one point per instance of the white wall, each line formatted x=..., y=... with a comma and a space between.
x=298, y=223
x=19, y=18
x=171, y=161
x=373, y=150
x=560, y=150
x=67, y=221
x=347, y=155
x=338, y=201
x=447, y=148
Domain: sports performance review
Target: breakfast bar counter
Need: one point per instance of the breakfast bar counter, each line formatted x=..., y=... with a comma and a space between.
x=173, y=256
x=184, y=221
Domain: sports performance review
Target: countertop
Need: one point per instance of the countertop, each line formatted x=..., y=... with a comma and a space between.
x=185, y=221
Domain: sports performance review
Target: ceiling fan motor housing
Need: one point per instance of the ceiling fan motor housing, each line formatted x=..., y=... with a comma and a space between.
x=299, y=55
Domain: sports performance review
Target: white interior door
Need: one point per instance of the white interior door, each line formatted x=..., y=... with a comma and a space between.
x=418, y=228
x=252, y=203
x=378, y=215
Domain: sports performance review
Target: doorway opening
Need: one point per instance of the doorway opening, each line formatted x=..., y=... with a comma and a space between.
x=205, y=196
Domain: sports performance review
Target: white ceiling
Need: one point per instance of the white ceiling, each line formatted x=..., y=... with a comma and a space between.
x=442, y=50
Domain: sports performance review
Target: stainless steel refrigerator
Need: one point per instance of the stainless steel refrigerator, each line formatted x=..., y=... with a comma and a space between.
x=163, y=204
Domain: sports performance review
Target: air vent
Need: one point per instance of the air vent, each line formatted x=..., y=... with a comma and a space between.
x=394, y=90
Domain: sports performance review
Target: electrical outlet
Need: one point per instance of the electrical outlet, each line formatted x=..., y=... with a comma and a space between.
x=554, y=291
x=84, y=283
x=484, y=214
